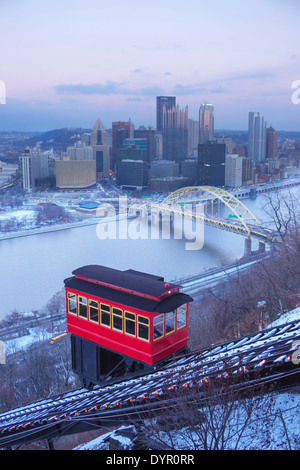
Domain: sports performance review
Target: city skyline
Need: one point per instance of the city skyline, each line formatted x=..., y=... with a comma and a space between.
x=65, y=64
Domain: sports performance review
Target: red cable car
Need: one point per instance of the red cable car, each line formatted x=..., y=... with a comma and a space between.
x=123, y=322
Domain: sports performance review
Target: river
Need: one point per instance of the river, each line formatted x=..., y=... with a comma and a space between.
x=34, y=267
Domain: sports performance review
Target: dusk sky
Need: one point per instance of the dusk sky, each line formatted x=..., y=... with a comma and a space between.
x=67, y=63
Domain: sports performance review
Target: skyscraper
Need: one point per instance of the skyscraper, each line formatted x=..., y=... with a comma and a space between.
x=132, y=173
x=206, y=123
x=175, y=126
x=99, y=142
x=271, y=143
x=233, y=170
x=34, y=166
x=120, y=131
x=148, y=134
x=211, y=164
x=256, y=137
x=167, y=102
x=193, y=139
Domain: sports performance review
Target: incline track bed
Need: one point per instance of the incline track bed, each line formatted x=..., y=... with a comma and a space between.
x=262, y=358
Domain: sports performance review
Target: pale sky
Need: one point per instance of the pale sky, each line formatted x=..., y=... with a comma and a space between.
x=67, y=63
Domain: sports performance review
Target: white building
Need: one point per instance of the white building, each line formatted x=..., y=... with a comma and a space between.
x=34, y=166
x=80, y=151
x=233, y=170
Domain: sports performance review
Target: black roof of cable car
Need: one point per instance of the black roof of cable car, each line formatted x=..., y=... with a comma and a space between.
x=137, y=281
x=165, y=305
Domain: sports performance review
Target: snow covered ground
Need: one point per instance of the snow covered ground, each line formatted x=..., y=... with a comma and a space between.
x=287, y=317
x=278, y=431
x=24, y=342
x=22, y=215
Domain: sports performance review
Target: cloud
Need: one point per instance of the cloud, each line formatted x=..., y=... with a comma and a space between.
x=188, y=89
x=218, y=89
x=121, y=88
x=109, y=87
x=260, y=74
x=216, y=86
x=33, y=115
x=134, y=99
x=150, y=91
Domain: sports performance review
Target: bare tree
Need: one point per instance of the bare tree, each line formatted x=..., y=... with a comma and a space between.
x=55, y=306
x=275, y=281
x=216, y=418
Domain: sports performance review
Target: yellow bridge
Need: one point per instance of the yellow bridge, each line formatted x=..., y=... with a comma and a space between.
x=212, y=202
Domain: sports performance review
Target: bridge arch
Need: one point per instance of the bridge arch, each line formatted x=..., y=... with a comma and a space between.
x=237, y=208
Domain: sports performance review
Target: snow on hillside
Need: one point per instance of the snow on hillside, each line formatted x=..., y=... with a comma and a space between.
x=287, y=317
x=280, y=432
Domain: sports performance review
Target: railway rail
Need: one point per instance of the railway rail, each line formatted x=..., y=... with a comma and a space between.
x=269, y=356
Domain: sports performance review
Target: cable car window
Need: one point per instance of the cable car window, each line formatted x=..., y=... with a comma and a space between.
x=82, y=307
x=143, y=328
x=94, y=311
x=158, y=327
x=117, y=319
x=129, y=323
x=105, y=315
x=72, y=305
x=181, y=316
x=170, y=322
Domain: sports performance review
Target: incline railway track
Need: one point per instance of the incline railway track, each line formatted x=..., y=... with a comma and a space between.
x=270, y=356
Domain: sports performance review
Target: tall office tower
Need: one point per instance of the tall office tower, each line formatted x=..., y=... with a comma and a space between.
x=34, y=169
x=120, y=131
x=206, y=123
x=158, y=146
x=167, y=102
x=175, y=133
x=99, y=142
x=256, y=137
x=148, y=134
x=211, y=164
x=248, y=173
x=271, y=143
x=133, y=149
x=193, y=137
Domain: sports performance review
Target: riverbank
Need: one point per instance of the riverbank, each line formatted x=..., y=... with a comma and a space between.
x=62, y=226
